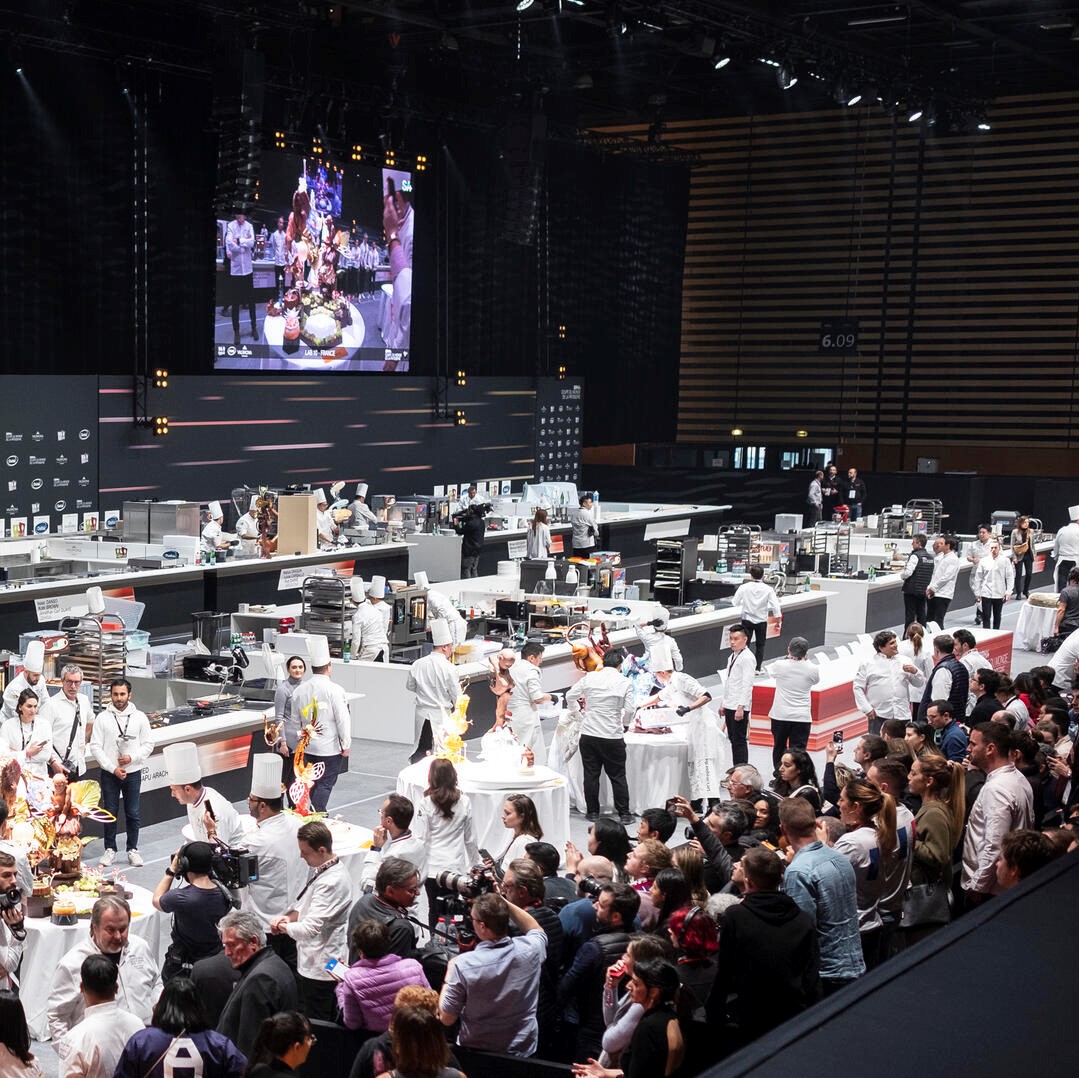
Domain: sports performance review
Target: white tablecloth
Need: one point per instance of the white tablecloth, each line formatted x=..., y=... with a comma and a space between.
x=47, y=943
x=657, y=767
x=1034, y=623
x=549, y=791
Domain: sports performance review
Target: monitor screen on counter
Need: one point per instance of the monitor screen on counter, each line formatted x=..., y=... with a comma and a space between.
x=316, y=273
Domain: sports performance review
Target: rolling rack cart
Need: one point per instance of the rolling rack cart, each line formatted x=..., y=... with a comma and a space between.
x=101, y=653
x=327, y=609
x=676, y=562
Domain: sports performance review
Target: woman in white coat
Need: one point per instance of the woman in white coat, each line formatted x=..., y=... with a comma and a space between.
x=914, y=649
x=443, y=824
x=709, y=747
x=28, y=736
x=791, y=710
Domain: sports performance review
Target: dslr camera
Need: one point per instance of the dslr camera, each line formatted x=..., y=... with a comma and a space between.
x=589, y=887
x=469, y=885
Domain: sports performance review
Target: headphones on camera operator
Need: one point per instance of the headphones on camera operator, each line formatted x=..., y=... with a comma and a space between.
x=184, y=866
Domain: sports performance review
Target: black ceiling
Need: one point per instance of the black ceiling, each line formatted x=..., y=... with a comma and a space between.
x=582, y=62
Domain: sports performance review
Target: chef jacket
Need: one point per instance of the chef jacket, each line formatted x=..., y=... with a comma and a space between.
x=279, y=248
x=247, y=530
x=584, y=528
x=369, y=633
x=439, y=606
x=282, y=872
x=124, y=732
x=64, y=715
x=362, y=516
x=650, y=636
x=18, y=736
x=882, y=685
x=945, y=570
x=15, y=689
x=756, y=600
x=229, y=829
x=1066, y=543
x=524, y=697
x=994, y=577
x=325, y=526
x=434, y=681
x=211, y=536
x=385, y=612
x=239, y=242
x=738, y=688
x=334, y=725
x=321, y=929
x=609, y=703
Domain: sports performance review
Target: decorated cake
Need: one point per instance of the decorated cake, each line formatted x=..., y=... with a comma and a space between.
x=320, y=329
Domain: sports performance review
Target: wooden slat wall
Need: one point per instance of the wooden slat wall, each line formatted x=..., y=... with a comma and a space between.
x=959, y=256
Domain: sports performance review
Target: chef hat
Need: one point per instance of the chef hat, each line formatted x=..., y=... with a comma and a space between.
x=1073, y=512
x=440, y=633
x=356, y=589
x=659, y=657
x=377, y=588
x=421, y=580
x=182, y=763
x=266, y=774
x=361, y=490
x=663, y=614
x=318, y=650
x=95, y=600
x=336, y=489
x=254, y=502
x=320, y=496
x=34, y=659
x=215, y=510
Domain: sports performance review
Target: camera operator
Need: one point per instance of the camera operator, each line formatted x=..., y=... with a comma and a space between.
x=24, y=878
x=397, y=886
x=581, y=987
x=713, y=832
x=195, y=909
x=471, y=526
x=523, y=886
x=494, y=989
x=12, y=930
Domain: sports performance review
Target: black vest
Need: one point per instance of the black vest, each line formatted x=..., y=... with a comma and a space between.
x=612, y=945
x=918, y=581
x=958, y=695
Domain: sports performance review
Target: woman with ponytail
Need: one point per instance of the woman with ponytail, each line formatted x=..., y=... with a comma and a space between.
x=913, y=649
x=870, y=846
x=283, y=1044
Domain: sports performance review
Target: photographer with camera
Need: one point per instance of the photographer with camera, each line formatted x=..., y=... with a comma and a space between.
x=397, y=886
x=196, y=908
x=709, y=832
x=494, y=989
x=12, y=920
x=24, y=877
x=579, y=918
x=210, y=816
x=471, y=526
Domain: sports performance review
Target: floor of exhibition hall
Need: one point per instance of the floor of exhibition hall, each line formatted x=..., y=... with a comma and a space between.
x=359, y=792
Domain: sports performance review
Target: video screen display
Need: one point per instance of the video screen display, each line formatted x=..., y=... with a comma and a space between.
x=317, y=274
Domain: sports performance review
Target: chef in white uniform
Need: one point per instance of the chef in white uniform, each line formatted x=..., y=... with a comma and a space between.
x=71, y=718
x=376, y=596
x=434, y=681
x=281, y=869
x=651, y=633
x=247, y=529
x=525, y=697
x=209, y=815
x=28, y=737
x=324, y=525
x=30, y=677
x=362, y=517
x=211, y=533
x=468, y=499
x=369, y=640
x=439, y=607
x=1066, y=548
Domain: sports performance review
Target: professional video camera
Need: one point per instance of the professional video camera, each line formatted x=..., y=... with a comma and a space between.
x=235, y=868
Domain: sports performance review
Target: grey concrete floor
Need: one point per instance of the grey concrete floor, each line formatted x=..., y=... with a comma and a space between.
x=374, y=771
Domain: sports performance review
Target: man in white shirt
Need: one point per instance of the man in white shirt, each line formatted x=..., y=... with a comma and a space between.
x=30, y=677
x=977, y=550
x=247, y=529
x=651, y=633
x=209, y=815
x=318, y=920
x=966, y=651
x=737, y=699
x=138, y=984
x=1066, y=548
x=439, y=608
x=239, y=243
x=94, y=1045
x=326, y=529
x=585, y=531
x=279, y=256
x=393, y=838
x=362, y=516
x=433, y=678
x=605, y=702
x=882, y=683
x=211, y=533
x=1064, y=660
x=71, y=718
x=321, y=705
x=282, y=871
x=369, y=640
x=756, y=600
x=994, y=578
x=526, y=695
x=1005, y=803
x=814, y=499
x=941, y=588
x=121, y=745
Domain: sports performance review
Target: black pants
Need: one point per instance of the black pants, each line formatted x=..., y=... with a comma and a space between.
x=758, y=633
x=1024, y=570
x=320, y=792
x=936, y=609
x=914, y=607
x=242, y=294
x=470, y=565
x=317, y=999
x=604, y=754
x=285, y=949
x=788, y=735
x=425, y=743
x=991, y=607
x=1060, y=575
x=738, y=732
x=812, y=515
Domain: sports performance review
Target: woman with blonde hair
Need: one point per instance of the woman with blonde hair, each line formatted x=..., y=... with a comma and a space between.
x=688, y=858
x=870, y=846
x=913, y=648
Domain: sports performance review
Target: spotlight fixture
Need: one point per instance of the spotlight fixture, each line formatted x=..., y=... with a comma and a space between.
x=161, y=378
x=721, y=60
x=786, y=78
x=853, y=100
x=160, y=425
x=737, y=432
x=561, y=331
x=459, y=418
x=462, y=379
x=583, y=82
x=421, y=162
x=984, y=124
x=279, y=140
x=391, y=159
x=524, y=5
x=18, y=71
x=562, y=372
x=916, y=115
x=801, y=434
x=357, y=153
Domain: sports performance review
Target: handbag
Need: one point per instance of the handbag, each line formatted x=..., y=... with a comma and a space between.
x=1050, y=644
x=926, y=904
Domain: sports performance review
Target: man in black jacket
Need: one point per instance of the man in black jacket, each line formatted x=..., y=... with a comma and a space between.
x=397, y=885
x=472, y=528
x=770, y=958
x=718, y=834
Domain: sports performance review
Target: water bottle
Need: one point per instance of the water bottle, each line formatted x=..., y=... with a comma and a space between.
x=807, y=585
x=346, y=651
x=441, y=931
x=451, y=932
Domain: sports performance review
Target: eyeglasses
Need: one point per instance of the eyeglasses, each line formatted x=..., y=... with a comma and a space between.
x=311, y=1038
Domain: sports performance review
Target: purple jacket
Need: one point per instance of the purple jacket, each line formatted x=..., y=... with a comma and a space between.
x=368, y=989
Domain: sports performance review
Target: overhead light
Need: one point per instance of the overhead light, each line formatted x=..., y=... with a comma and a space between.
x=879, y=20
x=785, y=76
x=583, y=82
x=462, y=378
x=721, y=61
x=801, y=434
x=160, y=425
x=524, y=5
x=459, y=418
x=161, y=378
x=984, y=124
x=561, y=372
x=18, y=71
x=576, y=3
x=915, y=116
x=737, y=432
